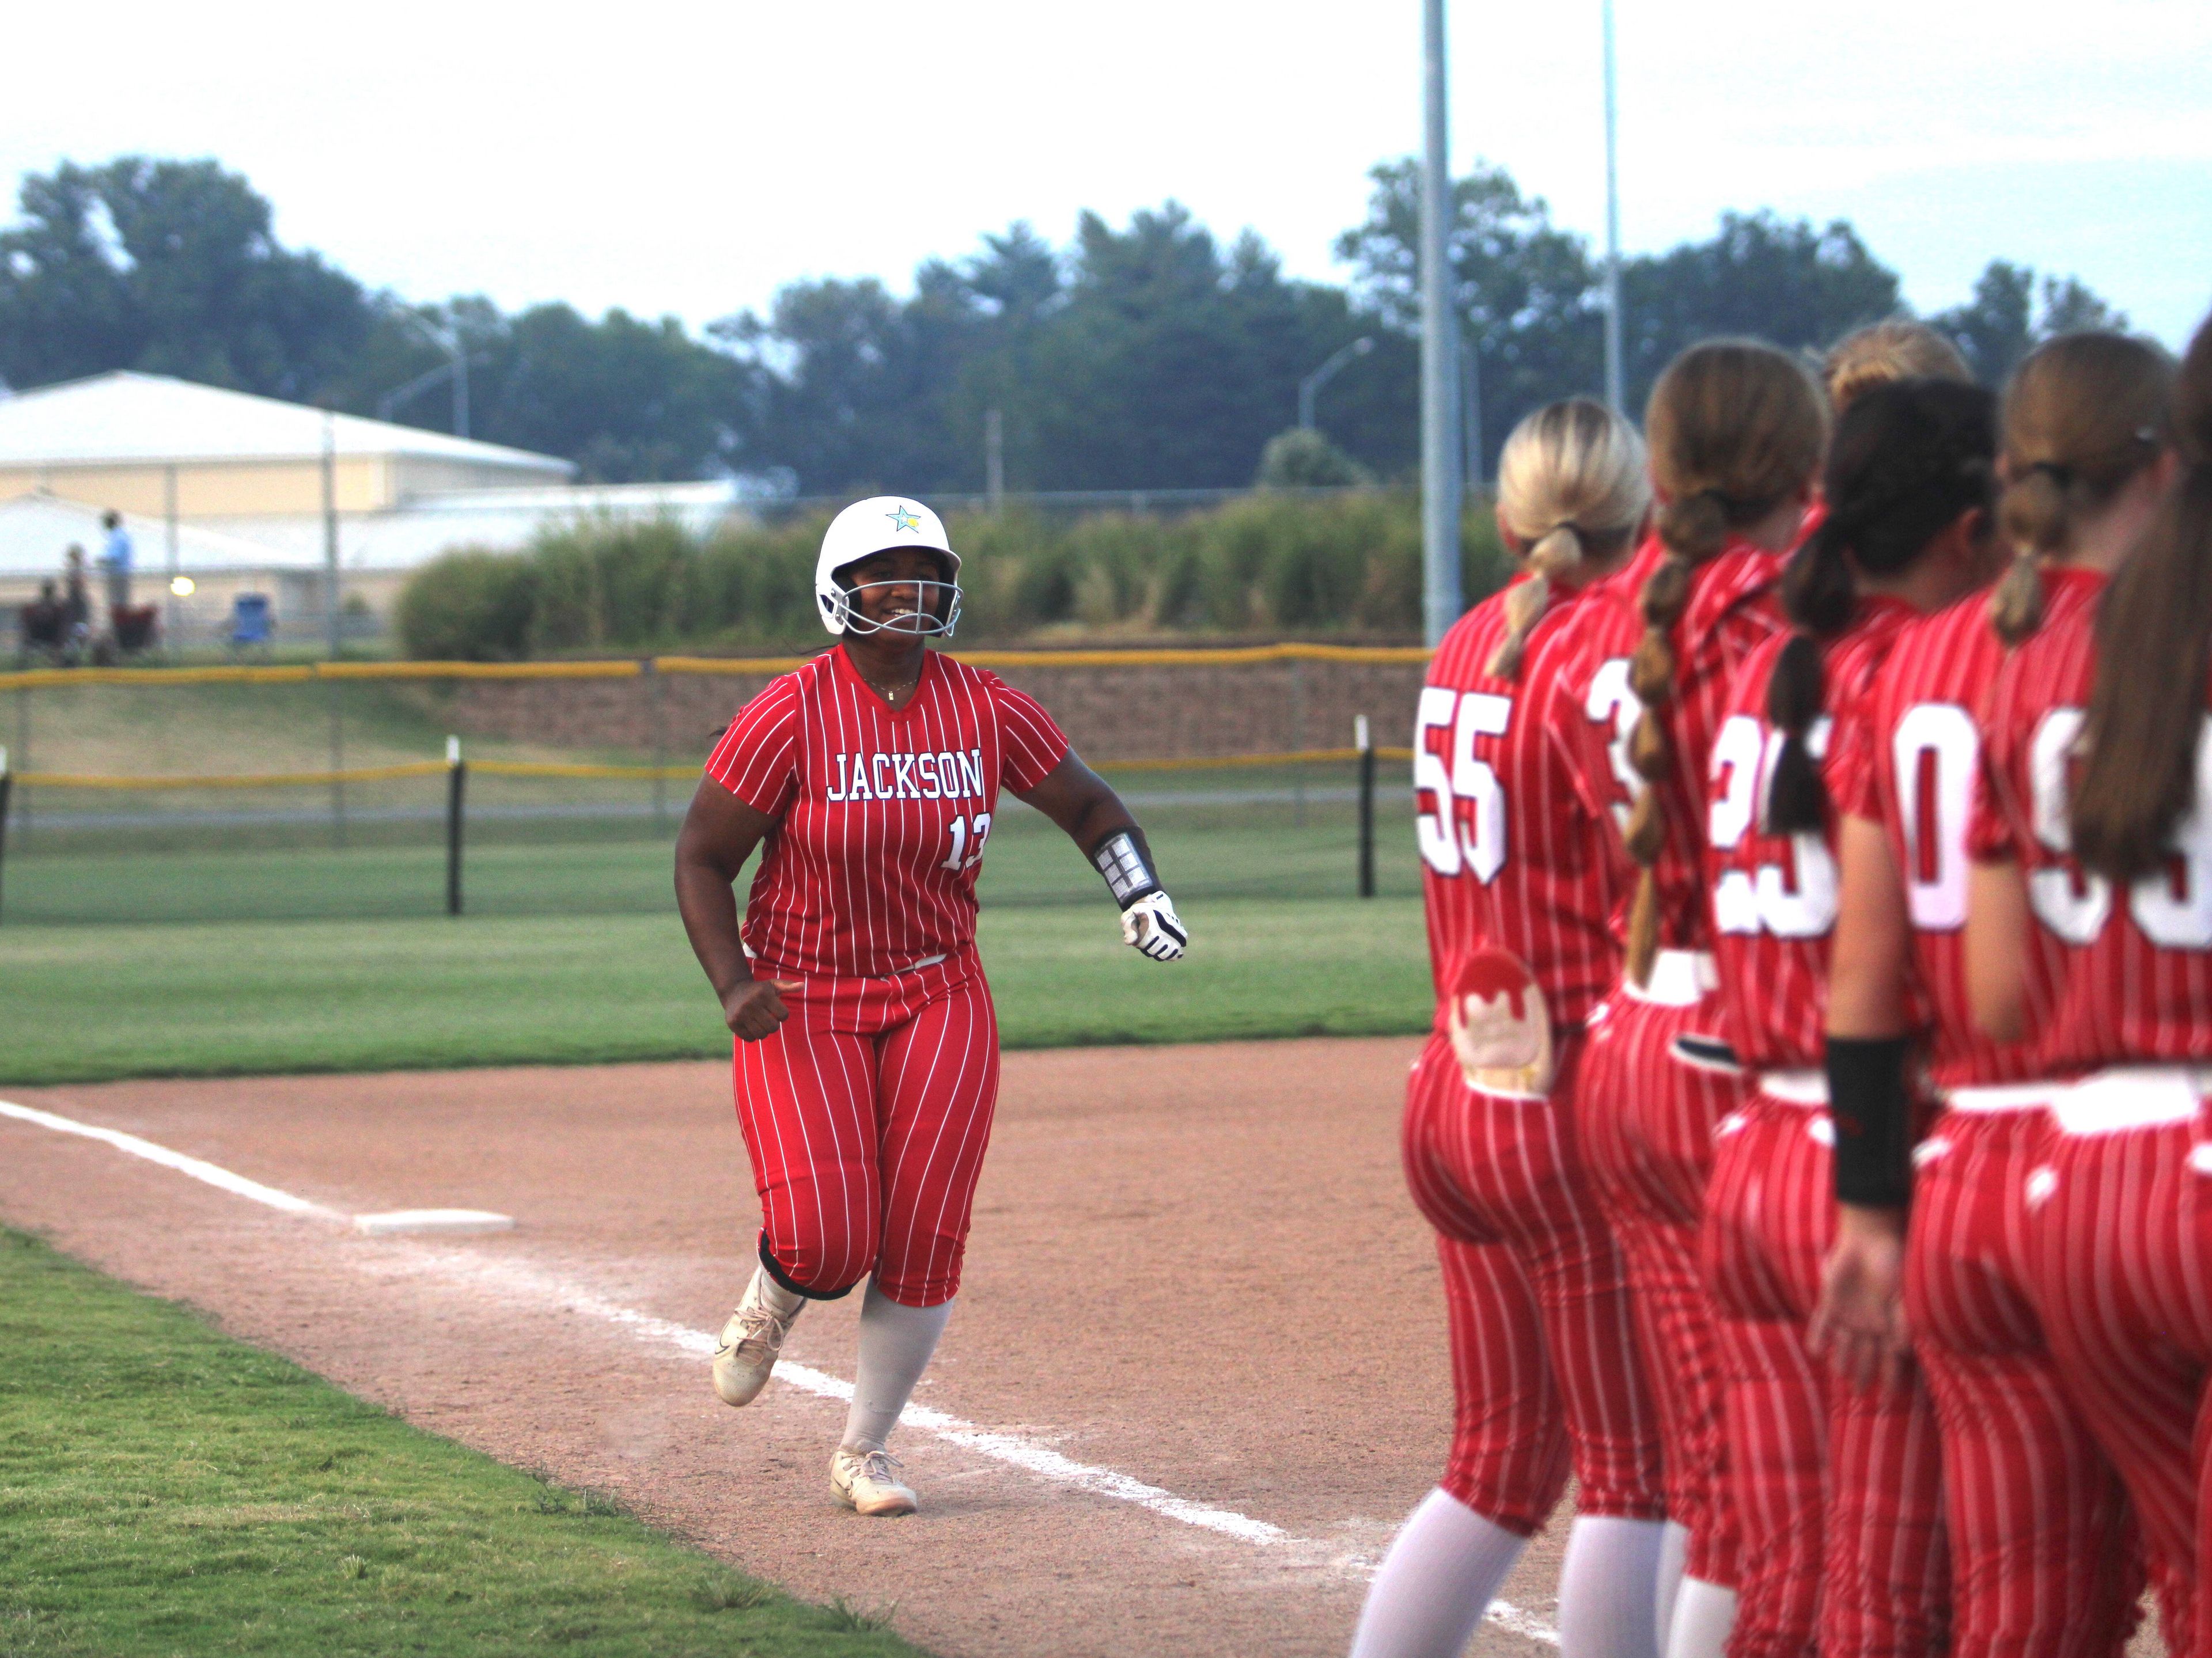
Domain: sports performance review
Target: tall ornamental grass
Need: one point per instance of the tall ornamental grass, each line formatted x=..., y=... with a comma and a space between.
x=1264, y=565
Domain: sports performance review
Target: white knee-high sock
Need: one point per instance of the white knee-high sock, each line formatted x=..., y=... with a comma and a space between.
x=896, y=1343
x=1440, y=1576
x=1704, y=1614
x=1673, y=1549
x=1608, y=1588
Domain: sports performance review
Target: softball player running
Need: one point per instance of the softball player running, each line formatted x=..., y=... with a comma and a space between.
x=1736, y=431
x=1523, y=884
x=867, y=1051
x=2094, y=839
x=2042, y=1556
x=1844, y=1493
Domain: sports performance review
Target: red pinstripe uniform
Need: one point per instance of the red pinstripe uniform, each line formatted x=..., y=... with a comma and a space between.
x=867, y=1112
x=1647, y=1114
x=1544, y=1347
x=1844, y=1486
x=2119, y=1246
x=2041, y=1555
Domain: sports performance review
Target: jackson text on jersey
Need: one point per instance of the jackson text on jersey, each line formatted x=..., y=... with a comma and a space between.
x=880, y=776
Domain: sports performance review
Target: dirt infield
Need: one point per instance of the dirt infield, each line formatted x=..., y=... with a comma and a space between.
x=1199, y=1370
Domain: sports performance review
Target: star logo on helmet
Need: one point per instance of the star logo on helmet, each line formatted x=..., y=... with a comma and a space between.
x=902, y=520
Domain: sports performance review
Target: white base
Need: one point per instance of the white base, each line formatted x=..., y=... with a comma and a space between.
x=450, y=1221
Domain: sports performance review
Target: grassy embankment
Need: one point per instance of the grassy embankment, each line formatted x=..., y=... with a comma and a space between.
x=165, y=1490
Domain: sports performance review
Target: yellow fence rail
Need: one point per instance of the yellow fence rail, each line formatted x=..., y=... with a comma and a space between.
x=633, y=667
x=285, y=780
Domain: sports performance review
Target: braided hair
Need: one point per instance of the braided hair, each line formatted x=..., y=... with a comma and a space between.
x=1736, y=429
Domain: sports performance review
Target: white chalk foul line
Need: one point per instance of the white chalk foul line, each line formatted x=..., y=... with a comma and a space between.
x=1011, y=1449
x=222, y=1179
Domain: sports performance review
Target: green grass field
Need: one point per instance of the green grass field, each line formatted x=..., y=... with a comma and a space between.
x=165, y=1489
x=80, y=1004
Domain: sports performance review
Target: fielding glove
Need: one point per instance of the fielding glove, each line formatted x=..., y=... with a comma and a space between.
x=1151, y=926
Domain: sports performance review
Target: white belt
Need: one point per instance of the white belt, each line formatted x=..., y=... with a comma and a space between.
x=2014, y=1096
x=1679, y=978
x=1805, y=1087
x=2131, y=1096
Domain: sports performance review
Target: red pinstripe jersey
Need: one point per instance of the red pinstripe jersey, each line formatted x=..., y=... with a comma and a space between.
x=1922, y=746
x=2129, y=969
x=1774, y=895
x=1730, y=611
x=1511, y=856
x=881, y=814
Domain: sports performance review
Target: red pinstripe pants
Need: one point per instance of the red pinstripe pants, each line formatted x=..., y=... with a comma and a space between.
x=2044, y=1559
x=1841, y=1486
x=867, y=1115
x=1647, y=1121
x=1545, y=1369
x=2120, y=1258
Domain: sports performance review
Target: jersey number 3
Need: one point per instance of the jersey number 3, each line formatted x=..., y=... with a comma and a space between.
x=1461, y=805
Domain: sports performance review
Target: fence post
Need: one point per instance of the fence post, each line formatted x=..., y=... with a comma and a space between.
x=457, y=777
x=1361, y=741
x=7, y=787
x=656, y=704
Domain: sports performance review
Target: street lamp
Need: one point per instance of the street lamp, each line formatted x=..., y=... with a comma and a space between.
x=455, y=367
x=1310, y=387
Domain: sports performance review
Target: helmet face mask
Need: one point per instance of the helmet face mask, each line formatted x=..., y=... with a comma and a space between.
x=867, y=530
x=940, y=611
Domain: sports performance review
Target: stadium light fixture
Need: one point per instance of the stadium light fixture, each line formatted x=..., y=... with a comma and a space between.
x=1310, y=387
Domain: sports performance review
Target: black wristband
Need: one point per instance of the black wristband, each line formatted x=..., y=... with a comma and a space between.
x=1873, y=1115
x=1129, y=873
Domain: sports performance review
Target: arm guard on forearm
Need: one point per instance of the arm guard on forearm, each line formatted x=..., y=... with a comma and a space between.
x=1873, y=1115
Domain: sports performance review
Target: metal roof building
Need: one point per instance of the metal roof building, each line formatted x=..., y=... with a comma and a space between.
x=170, y=448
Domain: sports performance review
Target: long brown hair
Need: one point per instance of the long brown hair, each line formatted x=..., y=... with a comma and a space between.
x=1572, y=484
x=2083, y=414
x=1735, y=428
x=2153, y=654
x=1909, y=459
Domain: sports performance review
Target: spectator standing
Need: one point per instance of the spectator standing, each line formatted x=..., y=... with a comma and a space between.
x=115, y=557
x=77, y=604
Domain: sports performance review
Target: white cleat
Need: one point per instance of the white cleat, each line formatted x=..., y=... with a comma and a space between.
x=750, y=1341
x=864, y=1482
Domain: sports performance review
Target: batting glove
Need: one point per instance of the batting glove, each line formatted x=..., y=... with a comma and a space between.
x=1152, y=926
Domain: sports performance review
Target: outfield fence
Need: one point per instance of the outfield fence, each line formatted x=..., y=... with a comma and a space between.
x=98, y=823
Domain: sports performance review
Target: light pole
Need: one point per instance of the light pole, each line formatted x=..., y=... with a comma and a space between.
x=1441, y=460
x=1310, y=387
x=455, y=369
x=1612, y=387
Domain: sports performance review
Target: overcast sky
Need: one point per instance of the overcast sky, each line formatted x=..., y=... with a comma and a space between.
x=692, y=158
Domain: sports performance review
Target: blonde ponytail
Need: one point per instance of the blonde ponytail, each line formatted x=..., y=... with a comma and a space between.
x=1570, y=480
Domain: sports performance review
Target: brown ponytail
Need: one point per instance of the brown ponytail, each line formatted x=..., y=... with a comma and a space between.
x=1736, y=429
x=2083, y=414
x=1570, y=480
x=1909, y=459
x=2138, y=781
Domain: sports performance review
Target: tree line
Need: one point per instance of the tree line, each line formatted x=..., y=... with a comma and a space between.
x=1153, y=355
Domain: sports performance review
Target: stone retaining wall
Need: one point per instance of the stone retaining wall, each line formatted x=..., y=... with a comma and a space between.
x=1146, y=712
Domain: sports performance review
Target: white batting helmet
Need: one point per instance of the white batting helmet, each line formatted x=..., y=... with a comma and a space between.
x=884, y=524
